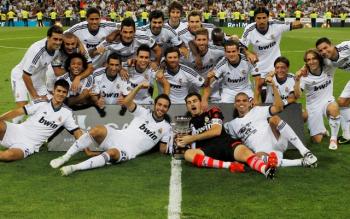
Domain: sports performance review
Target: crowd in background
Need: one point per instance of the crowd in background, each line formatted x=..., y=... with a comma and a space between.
x=117, y=10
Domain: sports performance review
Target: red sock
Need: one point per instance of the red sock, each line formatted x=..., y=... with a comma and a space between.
x=200, y=160
x=256, y=163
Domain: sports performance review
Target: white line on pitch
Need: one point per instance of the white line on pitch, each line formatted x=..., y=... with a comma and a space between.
x=12, y=47
x=18, y=38
x=175, y=193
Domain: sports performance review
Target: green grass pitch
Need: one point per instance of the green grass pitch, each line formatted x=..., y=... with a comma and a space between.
x=140, y=188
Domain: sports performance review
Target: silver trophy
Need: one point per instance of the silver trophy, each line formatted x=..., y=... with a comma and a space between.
x=180, y=127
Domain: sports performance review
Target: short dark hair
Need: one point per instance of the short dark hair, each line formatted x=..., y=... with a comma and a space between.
x=283, y=60
x=54, y=29
x=323, y=40
x=317, y=54
x=191, y=94
x=175, y=5
x=114, y=56
x=143, y=47
x=72, y=56
x=63, y=83
x=202, y=31
x=92, y=11
x=163, y=96
x=260, y=10
x=231, y=43
x=170, y=50
x=156, y=14
x=194, y=14
x=128, y=22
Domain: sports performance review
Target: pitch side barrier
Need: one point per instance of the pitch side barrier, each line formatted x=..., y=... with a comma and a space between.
x=88, y=118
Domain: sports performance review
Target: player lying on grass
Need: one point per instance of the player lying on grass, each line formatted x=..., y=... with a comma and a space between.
x=339, y=55
x=214, y=147
x=147, y=129
x=263, y=131
x=45, y=118
x=316, y=80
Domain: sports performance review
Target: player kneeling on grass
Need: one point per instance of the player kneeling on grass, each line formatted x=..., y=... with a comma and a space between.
x=147, y=129
x=214, y=147
x=263, y=131
x=45, y=118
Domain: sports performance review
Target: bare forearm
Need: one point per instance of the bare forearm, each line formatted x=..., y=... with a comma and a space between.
x=29, y=84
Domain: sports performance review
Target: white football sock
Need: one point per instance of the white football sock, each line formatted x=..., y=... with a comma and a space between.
x=334, y=123
x=345, y=121
x=291, y=163
x=81, y=143
x=94, y=162
x=287, y=132
x=18, y=119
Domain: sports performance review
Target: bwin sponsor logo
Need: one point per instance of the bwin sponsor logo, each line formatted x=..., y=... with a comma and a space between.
x=322, y=86
x=175, y=86
x=110, y=94
x=48, y=123
x=148, y=132
x=268, y=46
x=236, y=80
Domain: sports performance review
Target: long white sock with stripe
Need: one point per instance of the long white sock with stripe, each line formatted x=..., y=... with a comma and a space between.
x=94, y=162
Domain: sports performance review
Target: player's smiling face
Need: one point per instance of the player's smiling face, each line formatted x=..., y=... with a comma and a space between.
x=76, y=66
x=94, y=21
x=194, y=23
x=261, y=20
x=172, y=60
x=142, y=59
x=242, y=104
x=201, y=42
x=113, y=67
x=175, y=15
x=281, y=70
x=161, y=107
x=193, y=105
x=312, y=62
x=327, y=51
x=70, y=44
x=232, y=54
x=59, y=94
x=55, y=41
x=156, y=25
x=127, y=34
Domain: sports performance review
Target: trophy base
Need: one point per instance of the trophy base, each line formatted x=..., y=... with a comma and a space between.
x=180, y=153
x=179, y=156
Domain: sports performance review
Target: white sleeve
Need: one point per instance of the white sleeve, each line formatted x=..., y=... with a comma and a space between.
x=140, y=111
x=70, y=123
x=31, y=60
x=33, y=106
x=229, y=129
x=167, y=136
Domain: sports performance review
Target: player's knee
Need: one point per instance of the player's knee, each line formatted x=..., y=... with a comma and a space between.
x=11, y=155
x=343, y=102
x=113, y=154
x=333, y=109
x=98, y=131
x=317, y=138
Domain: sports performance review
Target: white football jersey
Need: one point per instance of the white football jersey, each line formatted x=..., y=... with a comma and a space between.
x=166, y=36
x=343, y=61
x=182, y=25
x=35, y=62
x=85, y=83
x=108, y=88
x=180, y=83
x=266, y=46
x=44, y=120
x=60, y=59
x=144, y=132
x=318, y=87
x=91, y=40
x=234, y=78
x=128, y=51
x=209, y=60
x=186, y=36
x=136, y=78
x=285, y=88
x=251, y=128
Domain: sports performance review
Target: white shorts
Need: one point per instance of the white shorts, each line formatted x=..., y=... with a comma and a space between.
x=19, y=89
x=113, y=139
x=316, y=113
x=12, y=139
x=228, y=95
x=271, y=144
x=346, y=91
